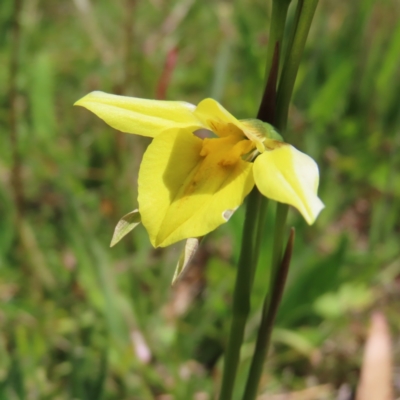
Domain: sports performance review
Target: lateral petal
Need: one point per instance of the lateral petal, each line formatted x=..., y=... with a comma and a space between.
x=140, y=116
x=182, y=194
x=291, y=177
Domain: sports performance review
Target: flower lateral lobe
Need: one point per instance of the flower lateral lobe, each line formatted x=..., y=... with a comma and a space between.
x=289, y=176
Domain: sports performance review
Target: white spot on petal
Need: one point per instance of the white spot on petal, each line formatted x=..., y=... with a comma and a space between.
x=227, y=214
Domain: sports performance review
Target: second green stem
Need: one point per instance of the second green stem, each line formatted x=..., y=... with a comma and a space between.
x=241, y=295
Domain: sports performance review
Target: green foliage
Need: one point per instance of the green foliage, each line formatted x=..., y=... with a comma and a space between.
x=82, y=321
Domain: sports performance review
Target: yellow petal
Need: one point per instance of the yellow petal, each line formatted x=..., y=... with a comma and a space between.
x=183, y=194
x=291, y=177
x=209, y=110
x=140, y=116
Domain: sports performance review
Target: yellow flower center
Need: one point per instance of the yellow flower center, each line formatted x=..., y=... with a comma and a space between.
x=229, y=147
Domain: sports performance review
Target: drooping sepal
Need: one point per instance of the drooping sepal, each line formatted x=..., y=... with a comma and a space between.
x=125, y=225
x=191, y=246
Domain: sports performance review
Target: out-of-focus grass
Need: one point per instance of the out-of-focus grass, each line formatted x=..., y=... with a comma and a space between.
x=81, y=321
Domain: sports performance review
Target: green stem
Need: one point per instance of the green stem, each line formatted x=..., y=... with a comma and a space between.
x=241, y=295
x=16, y=179
x=279, y=234
x=260, y=230
x=305, y=14
x=269, y=311
x=277, y=28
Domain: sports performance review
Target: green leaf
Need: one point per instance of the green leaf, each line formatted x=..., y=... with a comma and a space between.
x=191, y=246
x=126, y=224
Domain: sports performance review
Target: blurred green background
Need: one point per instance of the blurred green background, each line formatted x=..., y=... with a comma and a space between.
x=79, y=320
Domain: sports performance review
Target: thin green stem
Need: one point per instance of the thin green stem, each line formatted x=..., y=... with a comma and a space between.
x=305, y=14
x=279, y=235
x=269, y=311
x=277, y=28
x=296, y=18
x=16, y=173
x=241, y=295
x=260, y=231
x=279, y=267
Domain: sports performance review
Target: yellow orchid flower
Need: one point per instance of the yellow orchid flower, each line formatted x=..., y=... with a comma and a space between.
x=203, y=162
